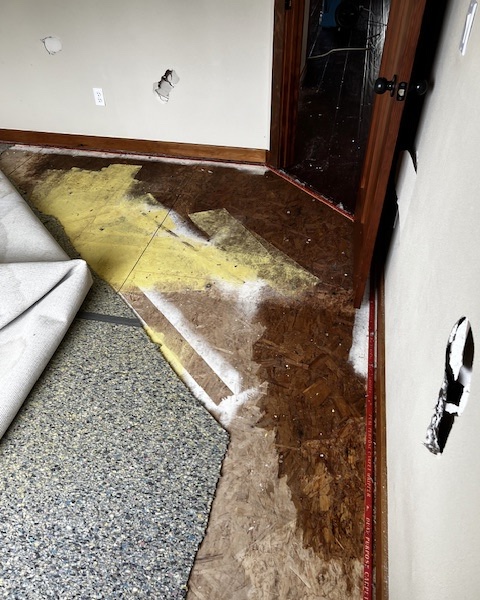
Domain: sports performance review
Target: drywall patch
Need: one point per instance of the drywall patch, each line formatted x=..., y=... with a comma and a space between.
x=166, y=84
x=453, y=395
x=52, y=44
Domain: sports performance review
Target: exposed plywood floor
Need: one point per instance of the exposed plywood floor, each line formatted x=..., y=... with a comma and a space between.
x=245, y=282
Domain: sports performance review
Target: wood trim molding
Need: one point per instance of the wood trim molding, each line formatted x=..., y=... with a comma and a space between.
x=126, y=145
x=381, y=500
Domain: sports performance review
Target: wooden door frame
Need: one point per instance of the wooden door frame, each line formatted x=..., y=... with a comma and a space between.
x=287, y=57
x=400, y=49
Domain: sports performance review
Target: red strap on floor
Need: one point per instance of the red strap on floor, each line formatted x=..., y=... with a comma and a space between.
x=369, y=457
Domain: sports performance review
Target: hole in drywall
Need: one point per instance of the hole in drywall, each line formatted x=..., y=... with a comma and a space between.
x=455, y=390
x=52, y=44
x=166, y=84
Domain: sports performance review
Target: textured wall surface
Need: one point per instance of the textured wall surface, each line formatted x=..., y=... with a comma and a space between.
x=432, y=280
x=220, y=49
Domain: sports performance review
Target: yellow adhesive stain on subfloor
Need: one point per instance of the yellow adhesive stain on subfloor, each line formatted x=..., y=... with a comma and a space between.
x=175, y=262
x=270, y=264
x=178, y=263
x=107, y=222
x=132, y=241
x=159, y=338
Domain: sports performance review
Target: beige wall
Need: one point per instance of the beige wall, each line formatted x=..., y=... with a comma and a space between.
x=221, y=50
x=432, y=279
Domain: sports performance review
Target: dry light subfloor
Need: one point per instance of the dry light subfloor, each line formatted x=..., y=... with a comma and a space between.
x=245, y=283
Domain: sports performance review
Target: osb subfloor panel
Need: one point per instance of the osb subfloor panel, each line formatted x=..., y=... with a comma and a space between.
x=245, y=283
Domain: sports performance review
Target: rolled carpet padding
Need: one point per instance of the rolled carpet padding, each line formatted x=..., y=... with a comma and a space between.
x=41, y=290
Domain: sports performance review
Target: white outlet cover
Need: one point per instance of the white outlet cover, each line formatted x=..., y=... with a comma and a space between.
x=98, y=96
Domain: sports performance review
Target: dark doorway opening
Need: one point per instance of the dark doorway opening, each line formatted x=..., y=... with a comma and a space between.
x=342, y=53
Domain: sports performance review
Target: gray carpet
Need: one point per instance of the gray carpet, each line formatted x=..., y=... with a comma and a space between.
x=109, y=469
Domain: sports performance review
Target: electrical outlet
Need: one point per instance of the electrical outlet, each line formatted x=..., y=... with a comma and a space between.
x=99, y=97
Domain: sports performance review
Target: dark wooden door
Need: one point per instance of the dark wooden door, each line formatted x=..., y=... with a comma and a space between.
x=404, y=23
